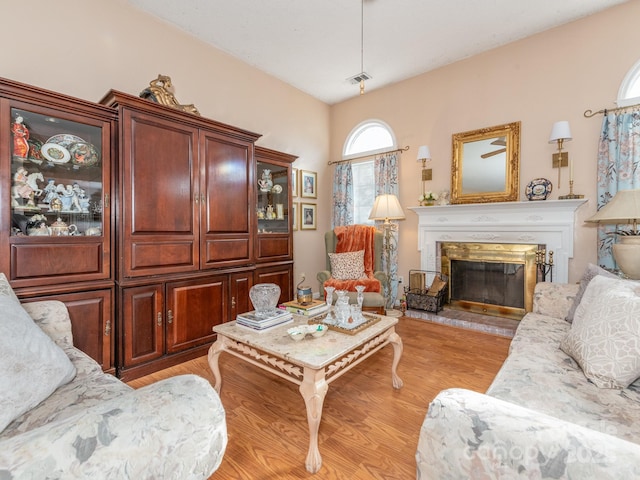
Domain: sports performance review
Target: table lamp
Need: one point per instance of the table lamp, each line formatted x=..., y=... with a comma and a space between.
x=624, y=208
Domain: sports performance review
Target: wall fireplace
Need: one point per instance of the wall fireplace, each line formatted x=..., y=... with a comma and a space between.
x=549, y=223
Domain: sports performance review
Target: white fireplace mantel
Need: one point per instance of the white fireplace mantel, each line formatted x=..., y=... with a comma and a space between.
x=550, y=223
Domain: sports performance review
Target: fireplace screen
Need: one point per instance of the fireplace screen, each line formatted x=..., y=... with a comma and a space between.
x=493, y=283
x=491, y=278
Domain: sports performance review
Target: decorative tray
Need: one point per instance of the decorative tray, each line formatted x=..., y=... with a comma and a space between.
x=350, y=328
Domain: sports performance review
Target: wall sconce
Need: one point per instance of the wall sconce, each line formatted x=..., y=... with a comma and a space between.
x=561, y=132
x=424, y=156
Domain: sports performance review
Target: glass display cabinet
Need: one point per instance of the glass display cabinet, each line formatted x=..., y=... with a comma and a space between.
x=57, y=184
x=274, y=245
x=273, y=198
x=56, y=165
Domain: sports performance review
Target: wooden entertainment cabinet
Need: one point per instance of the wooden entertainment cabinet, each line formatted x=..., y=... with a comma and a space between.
x=170, y=242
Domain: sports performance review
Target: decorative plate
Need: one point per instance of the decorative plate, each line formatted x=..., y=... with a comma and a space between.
x=55, y=153
x=277, y=189
x=83, y=153
x=538, y=189
x=65, y=139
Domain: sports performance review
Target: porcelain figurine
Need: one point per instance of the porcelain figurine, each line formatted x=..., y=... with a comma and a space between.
x=266, y=182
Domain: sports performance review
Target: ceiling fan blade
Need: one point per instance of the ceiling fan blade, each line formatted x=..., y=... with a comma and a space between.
x=502, y=141
x=491, y=154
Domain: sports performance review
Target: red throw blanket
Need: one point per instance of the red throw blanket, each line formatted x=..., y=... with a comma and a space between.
x=352, y=238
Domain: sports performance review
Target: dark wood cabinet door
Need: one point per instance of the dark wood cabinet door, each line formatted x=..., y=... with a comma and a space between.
x=281, y=275
x=194, y=307
x=226, y=183
x=142, y=325
x=91, y=324
x=239, y=286
x=159, y=186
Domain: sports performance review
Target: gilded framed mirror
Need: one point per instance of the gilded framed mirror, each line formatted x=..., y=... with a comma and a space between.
x=486, y=165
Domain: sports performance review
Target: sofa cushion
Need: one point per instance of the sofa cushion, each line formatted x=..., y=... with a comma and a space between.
x=589, y=274
x=348, y=265
x=32, y=366
x=605, y=336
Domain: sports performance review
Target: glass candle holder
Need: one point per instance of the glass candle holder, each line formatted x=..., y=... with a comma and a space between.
x=329, y=295
x=360, y=296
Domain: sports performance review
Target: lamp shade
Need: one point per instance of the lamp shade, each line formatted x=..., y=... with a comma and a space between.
x=423, y=153
x=386, y=207
x=624, y=207
x=560, y=131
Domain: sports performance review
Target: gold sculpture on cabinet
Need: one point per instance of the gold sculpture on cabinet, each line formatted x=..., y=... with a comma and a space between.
x=158, y=91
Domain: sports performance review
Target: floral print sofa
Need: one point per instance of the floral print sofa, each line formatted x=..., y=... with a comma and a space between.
x=95, y=426
x=541, y=417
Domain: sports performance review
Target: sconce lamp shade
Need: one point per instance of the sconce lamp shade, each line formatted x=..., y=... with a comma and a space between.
x=423, y=153
x=386, y=207
x=560, y=131
x=624, y=207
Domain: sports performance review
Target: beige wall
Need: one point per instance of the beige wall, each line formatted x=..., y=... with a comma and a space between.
x=84, y=48
x=553, y=76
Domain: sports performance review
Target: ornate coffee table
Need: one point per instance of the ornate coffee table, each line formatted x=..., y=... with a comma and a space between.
x=311, y=363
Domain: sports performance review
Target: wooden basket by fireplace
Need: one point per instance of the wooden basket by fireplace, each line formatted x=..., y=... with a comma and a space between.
x=427, y=290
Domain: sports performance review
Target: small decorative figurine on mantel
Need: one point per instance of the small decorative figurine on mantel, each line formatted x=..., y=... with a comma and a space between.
x=158, y=91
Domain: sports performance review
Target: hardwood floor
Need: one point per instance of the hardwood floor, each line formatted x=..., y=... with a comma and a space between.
x=368, y=430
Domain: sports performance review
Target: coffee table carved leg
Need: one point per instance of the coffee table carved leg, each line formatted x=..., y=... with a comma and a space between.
x=313, y=389
x=396, y=341
x=214, y=353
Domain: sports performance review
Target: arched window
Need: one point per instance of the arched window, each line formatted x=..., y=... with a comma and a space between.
x=368, y=138
x=629, y=93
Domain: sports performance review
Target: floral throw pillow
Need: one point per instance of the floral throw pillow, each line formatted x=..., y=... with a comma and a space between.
x=605, y=335
x=589, y=274
x=347, y=265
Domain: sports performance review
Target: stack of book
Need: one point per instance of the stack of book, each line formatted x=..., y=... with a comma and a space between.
x=315, y=307
x=262, y=323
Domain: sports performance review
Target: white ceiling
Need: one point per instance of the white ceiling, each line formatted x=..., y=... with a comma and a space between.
x=316, y=45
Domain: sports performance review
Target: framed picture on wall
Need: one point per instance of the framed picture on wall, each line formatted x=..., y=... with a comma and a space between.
x=294, y=216
x=308, y=184
x=294, y=182
x=307, y=216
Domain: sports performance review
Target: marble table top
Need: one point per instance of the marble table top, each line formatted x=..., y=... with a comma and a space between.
x=310, y=352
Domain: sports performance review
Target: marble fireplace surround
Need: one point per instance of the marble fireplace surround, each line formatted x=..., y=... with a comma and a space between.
x=548, y=222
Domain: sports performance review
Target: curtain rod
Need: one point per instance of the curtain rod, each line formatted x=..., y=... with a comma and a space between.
x=370, y=155
x=604, y=111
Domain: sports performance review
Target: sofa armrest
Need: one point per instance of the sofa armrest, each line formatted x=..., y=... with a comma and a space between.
x=554, y=299
x=175, y=428
x=470, y=435
x=52, y=317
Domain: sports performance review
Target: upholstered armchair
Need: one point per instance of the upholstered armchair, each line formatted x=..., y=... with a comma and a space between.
x=355, y=238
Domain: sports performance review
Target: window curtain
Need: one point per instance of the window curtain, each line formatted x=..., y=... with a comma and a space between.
x=618, y=169
x=386, y=178
x=342, y=195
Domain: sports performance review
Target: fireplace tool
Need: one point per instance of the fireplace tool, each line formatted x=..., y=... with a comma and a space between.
x=544, y=265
